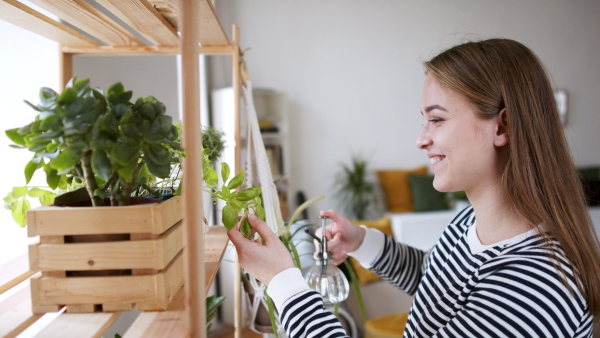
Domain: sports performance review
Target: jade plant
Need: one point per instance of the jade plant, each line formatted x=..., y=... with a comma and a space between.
x=97, y=139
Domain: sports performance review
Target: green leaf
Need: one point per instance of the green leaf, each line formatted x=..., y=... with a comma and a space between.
x=356, y=285
x=124, y=151
x=120, y=110
x=51, y=122
x=210, y=177
x=67, y=95
x=229, y=217
x=212, y=303
x=147, y=111
x=161, y=128
x=52, y=177
x=9, y=199
x=68, y=158
x=101, y=165
x=116, y=88
x=158, y=160
x=260, y=212
x=125, y=97
x=13, y=135
x=45, y=196
x=74, y=108
x=302, y=207
x=225, y=171
x=237, y=180
x=52, y=150
x=80, y=85
x=18, y=192
x=272, y=317
x=248, y=194
x=47, y=95
x=19, y=211
x=246, y=228
x=63, y=181
x=127, y=171
x=225, y=192
x=30, y=169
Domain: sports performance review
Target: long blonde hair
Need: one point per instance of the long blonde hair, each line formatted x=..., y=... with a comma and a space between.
x=539, y=178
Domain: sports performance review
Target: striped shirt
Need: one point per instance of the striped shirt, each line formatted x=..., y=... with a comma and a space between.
x=507, y=290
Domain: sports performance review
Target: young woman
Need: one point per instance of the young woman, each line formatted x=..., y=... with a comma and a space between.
x=522, y=260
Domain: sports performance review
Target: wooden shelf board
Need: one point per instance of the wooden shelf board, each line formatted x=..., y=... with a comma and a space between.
x=21, y=15
x=144, y=18
x=76, y=325
x=14, y=272
x=90, y=20
x=172, y=321
x=15, y=313
x=158, y=25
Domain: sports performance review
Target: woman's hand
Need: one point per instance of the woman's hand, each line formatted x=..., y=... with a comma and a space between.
x=343, y=235
x=261, y=260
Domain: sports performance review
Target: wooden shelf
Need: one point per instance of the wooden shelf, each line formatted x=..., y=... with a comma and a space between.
x=156, y=21
x=130, y=27
x=16, y=315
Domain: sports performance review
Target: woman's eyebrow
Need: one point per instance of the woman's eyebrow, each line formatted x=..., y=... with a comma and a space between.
x=432, y=107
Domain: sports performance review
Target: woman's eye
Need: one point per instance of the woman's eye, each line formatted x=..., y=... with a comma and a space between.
x=434, y=121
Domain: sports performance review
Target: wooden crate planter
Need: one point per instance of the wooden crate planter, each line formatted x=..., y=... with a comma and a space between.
x=106, y=259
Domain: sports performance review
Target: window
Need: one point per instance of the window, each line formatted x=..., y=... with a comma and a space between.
x=27, y=63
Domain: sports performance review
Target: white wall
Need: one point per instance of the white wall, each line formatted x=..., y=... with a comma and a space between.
x=149, y=75
x=352, y=70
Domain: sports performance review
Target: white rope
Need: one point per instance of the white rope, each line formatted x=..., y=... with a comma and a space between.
x=258, y=170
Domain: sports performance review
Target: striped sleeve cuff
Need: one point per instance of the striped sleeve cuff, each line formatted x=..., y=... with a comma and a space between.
x=286, y=284
x=370, y=248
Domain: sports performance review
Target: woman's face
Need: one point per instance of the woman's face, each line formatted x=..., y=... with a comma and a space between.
x=460, y=145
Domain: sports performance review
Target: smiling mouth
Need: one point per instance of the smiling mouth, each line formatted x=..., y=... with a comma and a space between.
x=436, y=159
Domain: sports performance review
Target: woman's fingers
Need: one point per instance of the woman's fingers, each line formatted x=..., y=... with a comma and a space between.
x=262, y=229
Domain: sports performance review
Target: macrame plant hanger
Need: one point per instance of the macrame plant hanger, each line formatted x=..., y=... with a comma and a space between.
x=258, y=173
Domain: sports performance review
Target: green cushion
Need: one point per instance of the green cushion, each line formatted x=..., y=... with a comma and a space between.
x=425, y=197
x=589, y=173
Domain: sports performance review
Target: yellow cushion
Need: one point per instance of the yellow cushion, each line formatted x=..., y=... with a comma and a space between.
x=390, y=326
x=397, y=189
x=365, y=276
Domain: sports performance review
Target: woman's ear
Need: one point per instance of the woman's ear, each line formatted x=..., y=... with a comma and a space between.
x=501, y=137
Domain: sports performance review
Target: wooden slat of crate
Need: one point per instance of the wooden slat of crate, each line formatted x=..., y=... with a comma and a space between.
x=14, y=272
x=171, y=323
x=153, y=218
x=153, y=292
x=15, y=314
x=141, y=254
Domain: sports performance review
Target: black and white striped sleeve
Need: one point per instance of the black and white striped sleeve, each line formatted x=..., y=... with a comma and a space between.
x=301, y=309
x=401, y=265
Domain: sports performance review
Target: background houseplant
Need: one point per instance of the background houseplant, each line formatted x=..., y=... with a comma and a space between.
x=356, y=191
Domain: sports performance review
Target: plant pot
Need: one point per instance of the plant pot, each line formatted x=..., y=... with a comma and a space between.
x=102, y=259
x=260, y=321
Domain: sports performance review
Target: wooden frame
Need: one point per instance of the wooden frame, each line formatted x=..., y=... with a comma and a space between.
x=159, y=22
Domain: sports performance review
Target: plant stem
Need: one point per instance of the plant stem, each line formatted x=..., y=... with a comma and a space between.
x=90, y=181
x=128, y=186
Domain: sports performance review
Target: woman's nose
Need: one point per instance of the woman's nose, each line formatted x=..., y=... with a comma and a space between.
x=423, y=139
